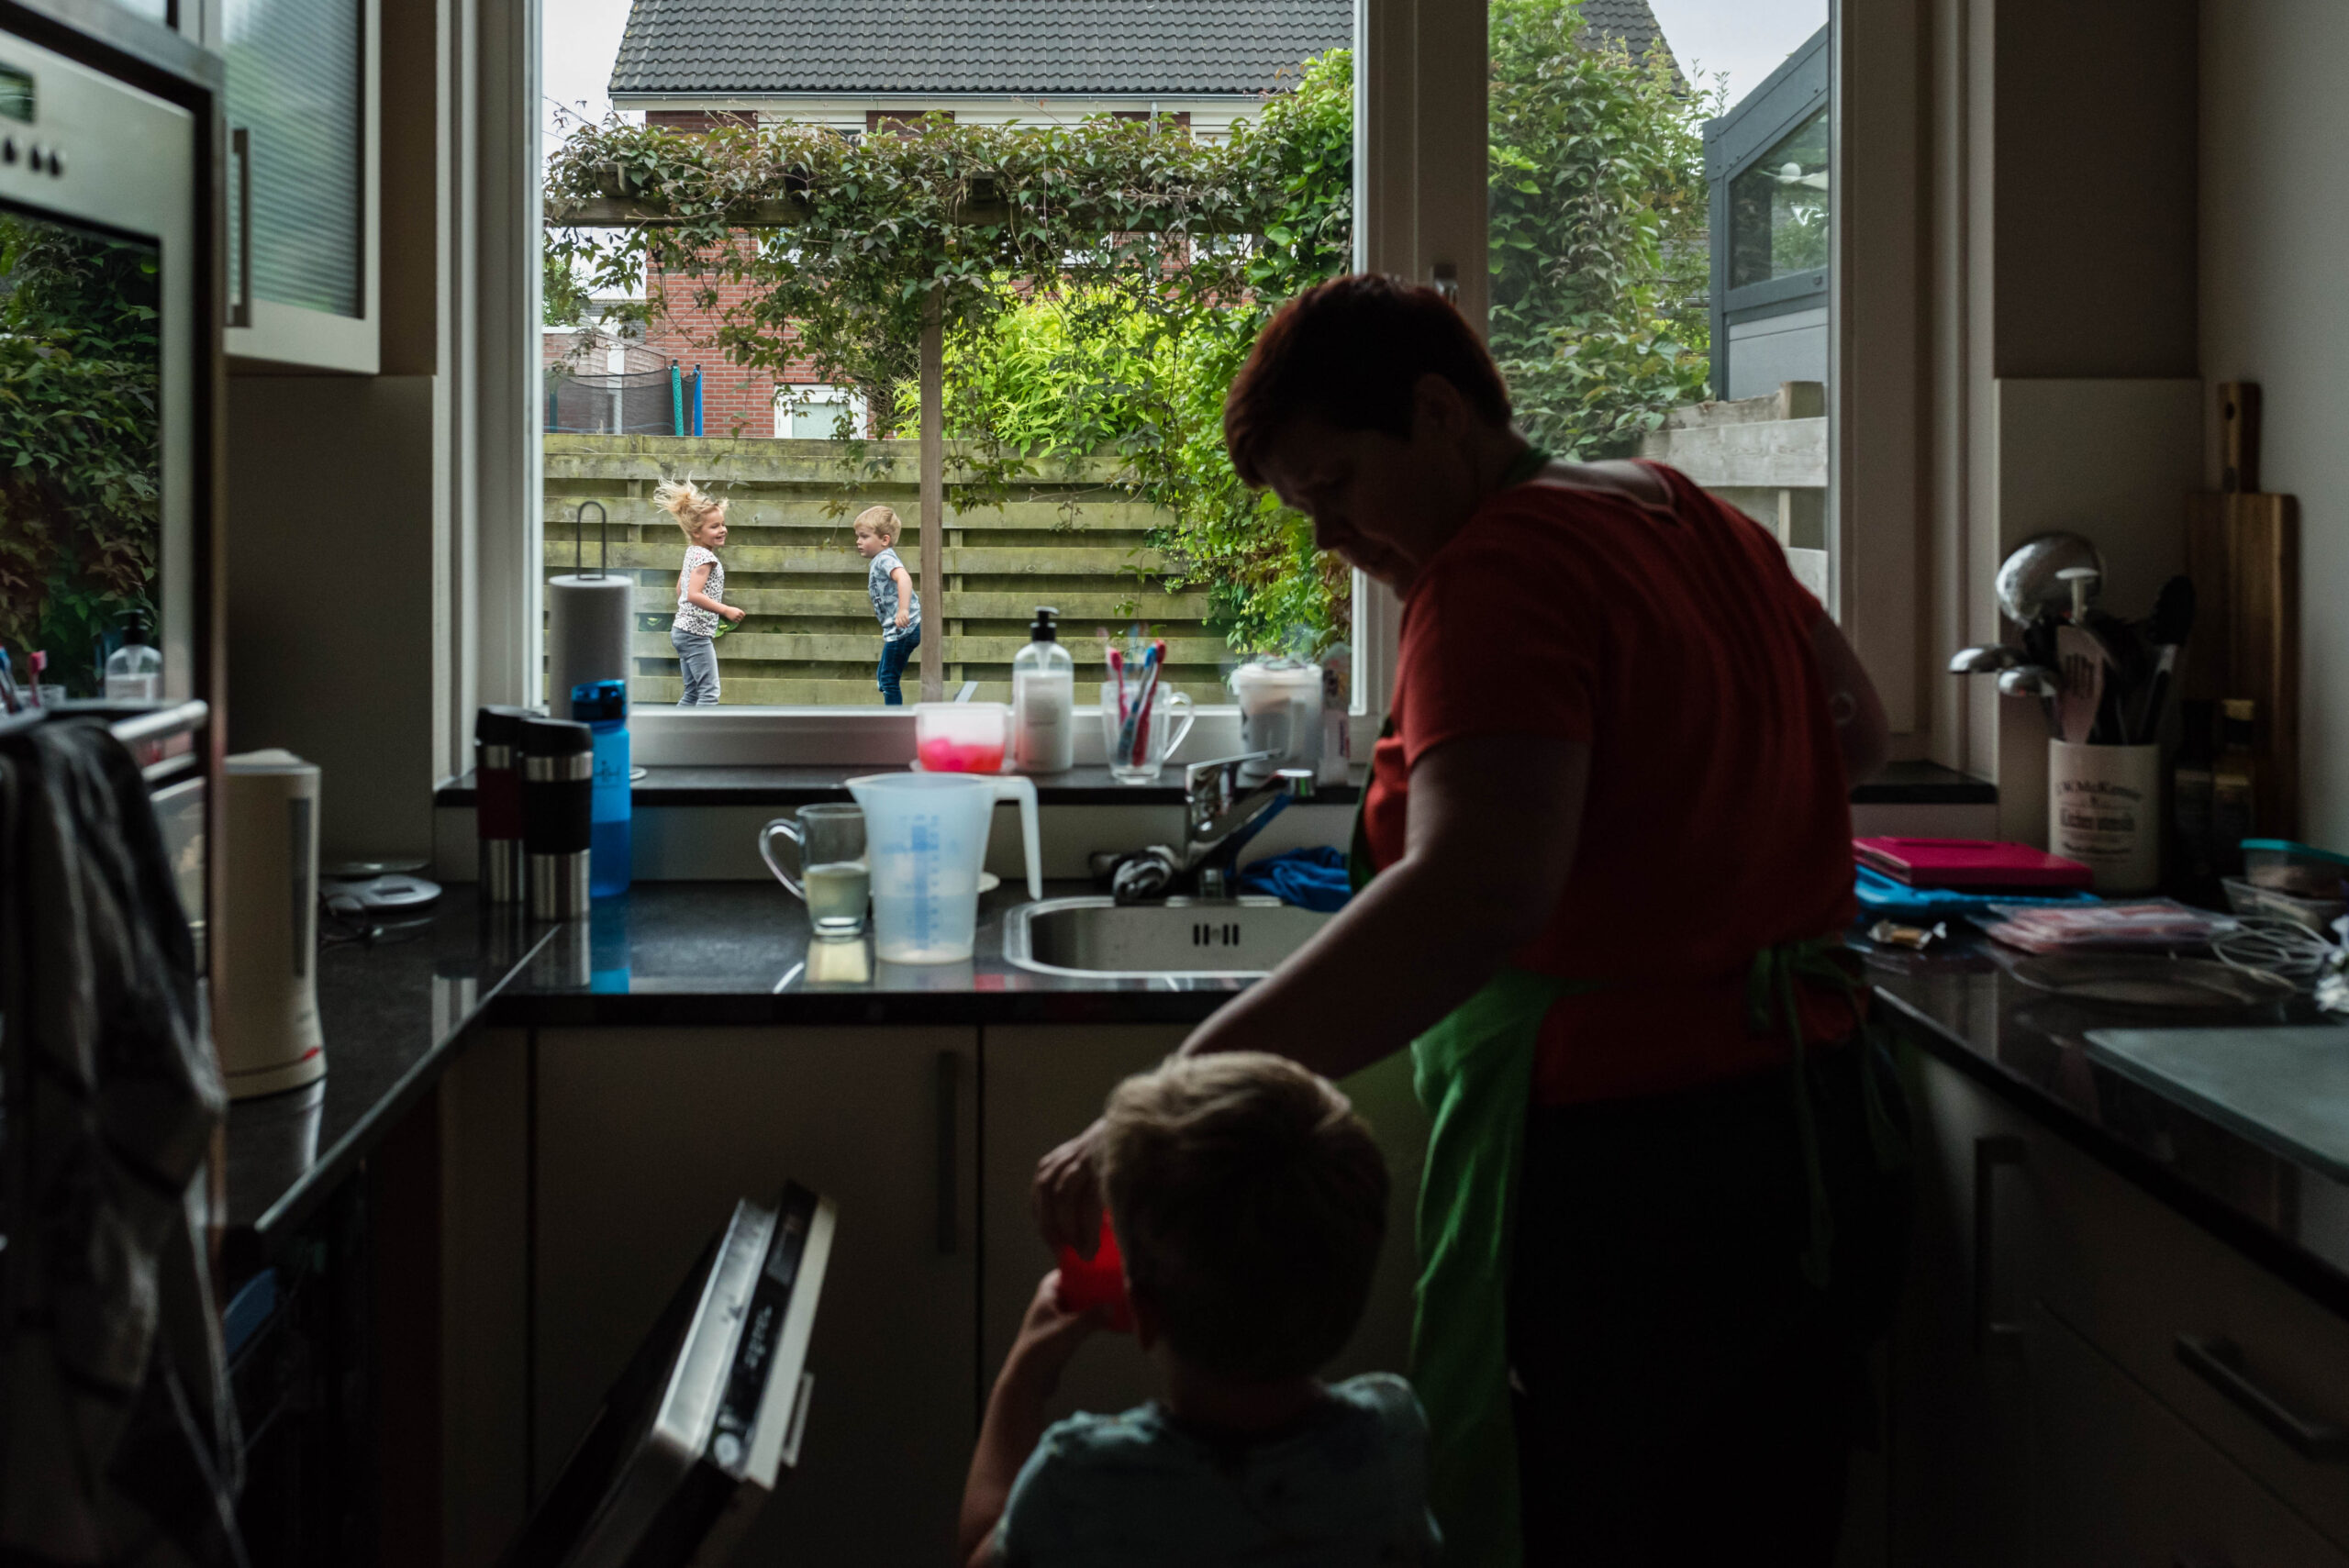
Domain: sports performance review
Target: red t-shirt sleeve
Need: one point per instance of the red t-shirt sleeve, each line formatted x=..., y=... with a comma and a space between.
x=1492, y=646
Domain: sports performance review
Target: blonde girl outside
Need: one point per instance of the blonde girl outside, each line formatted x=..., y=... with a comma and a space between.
x=895, y=604
x=701, y=587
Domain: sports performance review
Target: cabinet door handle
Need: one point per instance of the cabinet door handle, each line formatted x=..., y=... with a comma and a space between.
x=2219, y=1362
x=240, y=152
x=1989, y=1154
x=949, y=1086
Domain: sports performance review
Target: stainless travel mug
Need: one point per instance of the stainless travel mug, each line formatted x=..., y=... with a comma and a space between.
x=498, y=802
x=558, y=815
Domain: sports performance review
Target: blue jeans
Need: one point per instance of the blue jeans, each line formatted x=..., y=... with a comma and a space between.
x=697, y=657
x=895, y=651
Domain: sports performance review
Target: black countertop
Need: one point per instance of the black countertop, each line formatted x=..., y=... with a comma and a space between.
x=670, y=953
x=389, y=1011
x=1962, y=1004
x=740, y=952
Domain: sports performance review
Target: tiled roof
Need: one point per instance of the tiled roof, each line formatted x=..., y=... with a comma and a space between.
x=692, y=46
x=1628, y=20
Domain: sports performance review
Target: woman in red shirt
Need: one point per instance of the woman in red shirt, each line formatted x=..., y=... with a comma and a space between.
x=1608, y=847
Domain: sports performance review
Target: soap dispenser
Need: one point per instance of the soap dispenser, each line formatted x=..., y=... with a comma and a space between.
x=1043, y=698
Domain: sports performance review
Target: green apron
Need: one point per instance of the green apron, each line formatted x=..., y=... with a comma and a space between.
x=1472, y=1074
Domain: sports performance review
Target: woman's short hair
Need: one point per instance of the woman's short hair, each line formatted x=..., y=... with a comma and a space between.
x=881, y=521
x=1249, y=1203
x=1352, y=352
x=686, y=502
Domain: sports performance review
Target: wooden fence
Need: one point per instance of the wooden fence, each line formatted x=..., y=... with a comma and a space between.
x=1072, y=541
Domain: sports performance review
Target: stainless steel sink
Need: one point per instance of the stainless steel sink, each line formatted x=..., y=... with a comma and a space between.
x=1184, y=939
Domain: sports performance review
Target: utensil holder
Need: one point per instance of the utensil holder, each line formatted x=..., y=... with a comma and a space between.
x=2104, y=810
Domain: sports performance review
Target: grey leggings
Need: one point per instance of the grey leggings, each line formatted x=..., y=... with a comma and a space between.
x=697, y=656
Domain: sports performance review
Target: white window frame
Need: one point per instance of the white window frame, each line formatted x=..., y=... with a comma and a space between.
x=1421, y=213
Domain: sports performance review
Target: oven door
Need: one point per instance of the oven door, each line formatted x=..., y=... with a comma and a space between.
x=98, y=367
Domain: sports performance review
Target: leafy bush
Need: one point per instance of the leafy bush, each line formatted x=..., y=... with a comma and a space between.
x=80, y=376
x=1100, y=284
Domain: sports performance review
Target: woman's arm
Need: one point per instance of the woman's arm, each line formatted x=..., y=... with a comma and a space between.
x=1494, y=822
x=904, y=591
x=1860, y=726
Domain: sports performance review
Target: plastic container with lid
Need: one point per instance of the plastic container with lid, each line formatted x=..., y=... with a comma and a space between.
x=2299, y=869
x=602, y=706
x=1043, y=699
x=962, y=737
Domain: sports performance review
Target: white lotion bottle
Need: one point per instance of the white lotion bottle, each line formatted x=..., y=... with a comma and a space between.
x=1043, y=699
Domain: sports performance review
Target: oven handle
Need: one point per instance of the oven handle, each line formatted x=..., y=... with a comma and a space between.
x=240, y=152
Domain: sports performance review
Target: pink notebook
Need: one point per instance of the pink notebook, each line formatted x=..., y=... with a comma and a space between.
x=1969, y=862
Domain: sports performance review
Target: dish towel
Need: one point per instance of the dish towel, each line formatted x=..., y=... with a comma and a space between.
x=1313, y=878
x=118, y=1438
x=1883, y=895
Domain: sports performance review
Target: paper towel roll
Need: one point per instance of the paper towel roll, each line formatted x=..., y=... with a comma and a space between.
x=588, y=624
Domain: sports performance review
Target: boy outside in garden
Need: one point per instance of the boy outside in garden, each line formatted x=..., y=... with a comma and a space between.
x=895, y=604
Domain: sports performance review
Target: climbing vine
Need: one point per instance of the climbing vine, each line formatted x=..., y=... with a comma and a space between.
x=1100, y=284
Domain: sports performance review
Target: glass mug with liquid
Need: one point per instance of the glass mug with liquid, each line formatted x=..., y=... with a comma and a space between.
x=834, y=882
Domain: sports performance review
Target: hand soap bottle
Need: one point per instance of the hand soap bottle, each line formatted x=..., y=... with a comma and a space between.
x=1043, y=699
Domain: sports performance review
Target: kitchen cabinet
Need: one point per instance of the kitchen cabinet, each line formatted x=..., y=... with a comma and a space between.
x=1960, y=1472
x=643, y=1140
x=2042, y=1411
x=2122, y=1481
x=304, y=115
x=1042, y=1085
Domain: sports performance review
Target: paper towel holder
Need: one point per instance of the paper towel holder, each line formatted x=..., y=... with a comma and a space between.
x=579, y=538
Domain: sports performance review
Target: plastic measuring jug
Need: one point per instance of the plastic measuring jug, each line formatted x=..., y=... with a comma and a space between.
x=926, y=841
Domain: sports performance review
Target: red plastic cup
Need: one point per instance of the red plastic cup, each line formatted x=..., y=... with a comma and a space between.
x=1101, y=1281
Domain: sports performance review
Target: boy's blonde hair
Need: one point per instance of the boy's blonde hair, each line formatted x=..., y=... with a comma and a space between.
x=1250, y=1204
x=686, y=502
x=881, y=521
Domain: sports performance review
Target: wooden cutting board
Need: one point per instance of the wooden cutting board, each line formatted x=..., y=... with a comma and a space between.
x=2242, y=550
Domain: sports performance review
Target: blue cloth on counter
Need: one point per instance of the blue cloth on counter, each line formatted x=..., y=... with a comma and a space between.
x=1881, y=895
x=1313, y=878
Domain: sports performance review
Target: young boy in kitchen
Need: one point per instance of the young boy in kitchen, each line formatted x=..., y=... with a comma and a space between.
x=895, y=602
x=1249, y=1203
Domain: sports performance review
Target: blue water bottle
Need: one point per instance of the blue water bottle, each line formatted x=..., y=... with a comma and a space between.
x=602, y=705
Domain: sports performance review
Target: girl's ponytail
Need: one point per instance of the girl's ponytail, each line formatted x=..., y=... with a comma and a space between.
x=686, y=502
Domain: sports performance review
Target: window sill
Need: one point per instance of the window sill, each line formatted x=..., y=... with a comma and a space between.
x=1924, y=783
x=681, y=786
x=1902, y=783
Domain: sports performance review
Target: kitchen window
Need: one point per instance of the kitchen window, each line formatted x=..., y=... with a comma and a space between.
x=1418, y=215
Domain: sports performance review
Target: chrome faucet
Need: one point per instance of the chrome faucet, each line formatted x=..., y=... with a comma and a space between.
x=1222, y=810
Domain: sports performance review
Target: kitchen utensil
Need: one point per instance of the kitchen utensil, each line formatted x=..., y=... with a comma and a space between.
x=2032, y=680
x=2080, y=659
x=926, y=838
x=962, y=737
x=1968, y=863
x=1988, y=660
x=2027, y=584
x=1148, y=747
x=265, y=1014
x=834, y=882
x=2242, y=552
x=2166, y=630
x=2081, y=583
